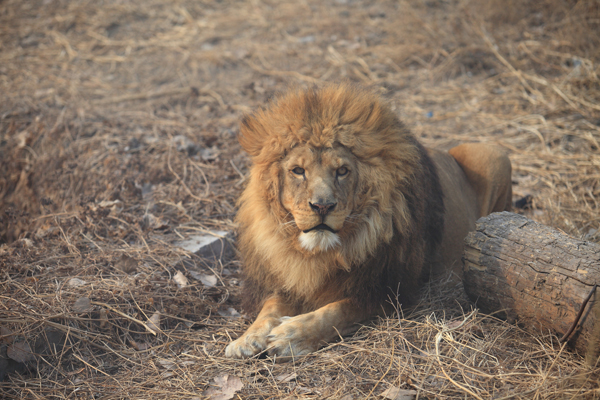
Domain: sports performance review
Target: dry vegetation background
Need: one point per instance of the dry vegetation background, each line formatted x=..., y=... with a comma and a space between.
x=118, y=124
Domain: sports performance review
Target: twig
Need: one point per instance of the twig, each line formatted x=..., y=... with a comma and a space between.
x=187, y=189
x=384, y=375
x=137, y=321
x=578, y=316
x=508, y=65
x=242, y=176
x=438, y=339
x=91, y=366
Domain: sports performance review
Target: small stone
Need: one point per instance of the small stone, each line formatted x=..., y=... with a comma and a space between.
x=217, y=245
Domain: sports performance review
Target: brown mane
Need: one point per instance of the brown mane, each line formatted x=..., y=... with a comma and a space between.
x=396, y=225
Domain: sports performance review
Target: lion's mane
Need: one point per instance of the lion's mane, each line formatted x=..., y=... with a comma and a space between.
x=393, y=232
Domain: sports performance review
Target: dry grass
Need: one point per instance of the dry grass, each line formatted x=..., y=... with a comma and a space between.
x=117, y=137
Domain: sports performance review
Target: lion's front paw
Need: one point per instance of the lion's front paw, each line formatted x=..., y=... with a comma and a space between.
x=295, y=336
x=254, y=340
x=246, y=346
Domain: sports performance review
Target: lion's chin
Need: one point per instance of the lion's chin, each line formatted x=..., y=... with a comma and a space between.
x=319, y=240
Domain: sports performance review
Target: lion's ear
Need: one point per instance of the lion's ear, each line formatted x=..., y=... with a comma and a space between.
x=253, y=135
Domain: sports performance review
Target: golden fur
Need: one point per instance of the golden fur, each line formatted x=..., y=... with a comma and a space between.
x=343, y=210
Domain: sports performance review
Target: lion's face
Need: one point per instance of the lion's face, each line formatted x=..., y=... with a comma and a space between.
x=319, y=185
x=335, y=177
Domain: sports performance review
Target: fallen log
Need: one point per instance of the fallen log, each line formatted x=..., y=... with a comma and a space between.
x=534, y=275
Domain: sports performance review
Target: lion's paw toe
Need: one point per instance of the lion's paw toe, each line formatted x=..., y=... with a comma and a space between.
x=246, y=346
x=291, y=339
x=286, y=349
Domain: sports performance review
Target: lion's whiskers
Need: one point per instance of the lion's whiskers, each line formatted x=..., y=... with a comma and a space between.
x=285, y=225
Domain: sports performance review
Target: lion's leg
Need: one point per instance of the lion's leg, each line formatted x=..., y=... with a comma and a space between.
x=254, y=340
x=488, y=170
x=304, y=333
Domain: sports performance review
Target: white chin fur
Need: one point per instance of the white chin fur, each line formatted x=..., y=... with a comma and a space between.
x=319, y=240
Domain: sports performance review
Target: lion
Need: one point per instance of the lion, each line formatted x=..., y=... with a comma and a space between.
x=345, y=209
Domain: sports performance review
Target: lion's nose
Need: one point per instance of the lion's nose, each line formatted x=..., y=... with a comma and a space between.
x=322, y=209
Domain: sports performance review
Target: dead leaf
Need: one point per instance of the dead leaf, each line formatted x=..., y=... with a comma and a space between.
x=477, y=331
x=6, y=335
x=126, y=264
x=45, y=230
x=183, y=143
x=103, y=318
x=283, y=378
x=82, y=305
x=76, y=282
x=139, y=346
x=150, y=221
x=304, y=390
x=167, y=364
x=144, y=346
x=455, y=323
x=209, y=154
x=180, y=279
x=153, y=323
x=227, y=387
x=108, y=203
x=23, y=138
x=394, y=393
x=230, y=312
x=27, y=243
x=208, y=280
x=20, y=352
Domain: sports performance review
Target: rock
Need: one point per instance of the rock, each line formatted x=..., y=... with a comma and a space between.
x=217, y=245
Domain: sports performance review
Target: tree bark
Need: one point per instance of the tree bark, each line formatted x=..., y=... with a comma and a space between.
x=534, y=275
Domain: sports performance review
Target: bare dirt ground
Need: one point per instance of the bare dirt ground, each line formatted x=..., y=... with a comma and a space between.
x=118, y=124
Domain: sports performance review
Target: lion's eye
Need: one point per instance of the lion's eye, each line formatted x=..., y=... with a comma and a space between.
x=298, y=171
x=342, y=171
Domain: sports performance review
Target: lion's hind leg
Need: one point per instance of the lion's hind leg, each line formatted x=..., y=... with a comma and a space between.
x=255, y=340
x=488, y=170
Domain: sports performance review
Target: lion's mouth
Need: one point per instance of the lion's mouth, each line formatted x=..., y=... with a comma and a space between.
x=320, y=227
